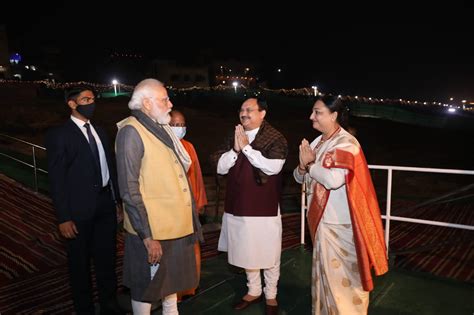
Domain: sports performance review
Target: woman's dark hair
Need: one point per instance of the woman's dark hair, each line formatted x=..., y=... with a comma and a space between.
x=336, y=104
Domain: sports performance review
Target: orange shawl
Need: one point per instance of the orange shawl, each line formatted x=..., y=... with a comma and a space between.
x=195, y=177
x=363, y=205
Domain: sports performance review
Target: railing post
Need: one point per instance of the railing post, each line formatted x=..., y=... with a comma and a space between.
x=218, y=190
x=388, y=208
x=303, y=207
x=35, y=171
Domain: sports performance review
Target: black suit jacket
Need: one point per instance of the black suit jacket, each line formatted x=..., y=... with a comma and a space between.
x=74, y=178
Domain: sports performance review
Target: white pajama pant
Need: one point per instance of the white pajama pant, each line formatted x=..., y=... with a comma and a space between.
x=270, y=275
x=169, y=303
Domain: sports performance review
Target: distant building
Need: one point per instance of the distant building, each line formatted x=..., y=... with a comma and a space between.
x=50, y=63
x=4, y=54
x=226, y=72
x=43, y=65
x=179, y=76
x=42, y=62
x=125, y=66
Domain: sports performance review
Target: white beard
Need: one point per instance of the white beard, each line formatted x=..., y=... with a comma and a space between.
x=164, y=119
x=160, y=117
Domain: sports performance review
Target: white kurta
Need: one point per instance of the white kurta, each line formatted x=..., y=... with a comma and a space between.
x=104, y=168
x=251, y=242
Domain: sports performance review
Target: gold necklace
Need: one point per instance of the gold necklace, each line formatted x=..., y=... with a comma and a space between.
x=321, y=141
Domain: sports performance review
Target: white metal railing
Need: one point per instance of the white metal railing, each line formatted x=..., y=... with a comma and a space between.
x=388, y=217
x=35, y=167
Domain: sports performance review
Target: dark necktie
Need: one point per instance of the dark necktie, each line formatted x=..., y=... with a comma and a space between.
x=94, y=148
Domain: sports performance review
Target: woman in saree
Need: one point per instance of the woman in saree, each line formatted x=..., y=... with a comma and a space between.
x=343, y=217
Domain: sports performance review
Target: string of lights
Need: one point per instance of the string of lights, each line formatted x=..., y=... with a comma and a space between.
x=306, y=91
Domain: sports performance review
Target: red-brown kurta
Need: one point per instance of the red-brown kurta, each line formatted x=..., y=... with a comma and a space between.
x=195, y=177
x=199, y=192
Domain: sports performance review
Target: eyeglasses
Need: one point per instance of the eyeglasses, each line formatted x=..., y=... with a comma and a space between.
x=163, y=100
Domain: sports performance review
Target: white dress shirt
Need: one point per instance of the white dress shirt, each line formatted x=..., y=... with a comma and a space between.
x=103, y=161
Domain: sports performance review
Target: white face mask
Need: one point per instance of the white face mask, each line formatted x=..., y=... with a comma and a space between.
x=179, y=131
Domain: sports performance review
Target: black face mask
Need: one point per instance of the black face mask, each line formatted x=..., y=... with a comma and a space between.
x=86, y=110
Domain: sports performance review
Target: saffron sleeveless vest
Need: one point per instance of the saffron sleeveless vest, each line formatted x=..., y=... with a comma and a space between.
x=164, y=188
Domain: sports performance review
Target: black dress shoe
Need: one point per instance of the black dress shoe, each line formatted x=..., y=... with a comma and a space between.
x=244, y=304
x=111, y=308
x=271, y=309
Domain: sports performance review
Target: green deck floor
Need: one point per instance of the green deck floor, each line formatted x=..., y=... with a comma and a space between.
x=398, y=292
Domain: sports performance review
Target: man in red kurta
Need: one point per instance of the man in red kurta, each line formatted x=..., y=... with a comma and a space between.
x=178, y=125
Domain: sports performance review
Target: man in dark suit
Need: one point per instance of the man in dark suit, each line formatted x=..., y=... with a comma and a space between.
x=83, y=186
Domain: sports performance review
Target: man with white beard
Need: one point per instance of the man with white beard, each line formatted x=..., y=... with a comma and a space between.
x=160, y=222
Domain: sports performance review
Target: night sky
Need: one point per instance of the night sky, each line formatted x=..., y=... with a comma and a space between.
x=404, y=60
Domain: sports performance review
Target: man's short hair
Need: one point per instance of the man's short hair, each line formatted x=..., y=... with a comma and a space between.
x=262, y=103
x=73, y=92
x=258, y=95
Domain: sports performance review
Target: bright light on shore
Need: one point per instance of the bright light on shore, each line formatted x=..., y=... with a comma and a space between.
x=235, y=84
x=115, y=82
